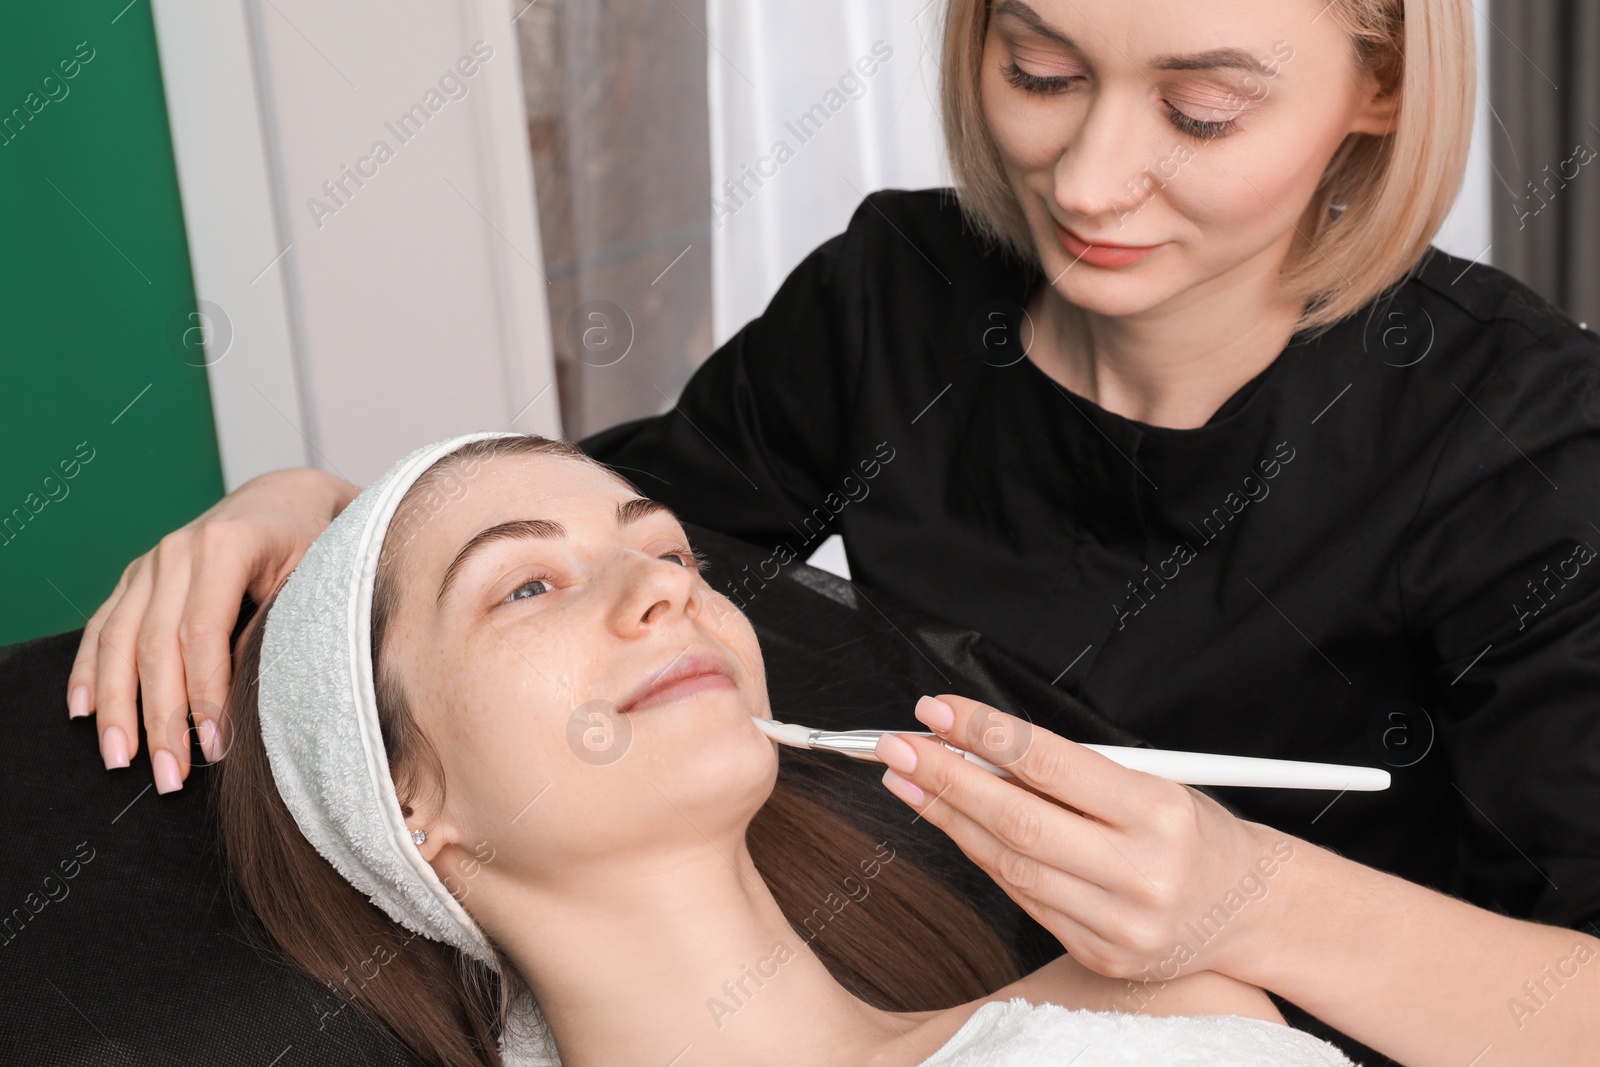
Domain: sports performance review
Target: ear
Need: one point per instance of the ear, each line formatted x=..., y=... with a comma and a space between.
x=447, y=852
x=1378, y=108
x=441, y=832
x=434, y=844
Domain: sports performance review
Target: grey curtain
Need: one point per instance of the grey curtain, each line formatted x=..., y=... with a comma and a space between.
x=619, y=134
x=1544, y=86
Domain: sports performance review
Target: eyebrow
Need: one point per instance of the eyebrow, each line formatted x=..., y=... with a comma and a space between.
x=1211, y=59
x=628, y=512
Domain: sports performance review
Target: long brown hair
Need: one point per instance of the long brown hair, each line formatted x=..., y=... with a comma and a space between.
x=450, y=1008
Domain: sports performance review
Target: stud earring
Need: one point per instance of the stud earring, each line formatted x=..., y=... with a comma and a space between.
x=419, y=836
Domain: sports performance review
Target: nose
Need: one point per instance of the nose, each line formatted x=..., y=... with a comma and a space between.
x=1102, y=176
x=653, y=592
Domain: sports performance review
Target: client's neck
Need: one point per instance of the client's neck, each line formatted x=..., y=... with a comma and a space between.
x=656, y=955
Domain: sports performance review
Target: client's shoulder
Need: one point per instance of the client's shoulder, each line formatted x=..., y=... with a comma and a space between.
x=1017, y=1033
x=1067, y=982
x=1059, y=994
x=1203, y=1017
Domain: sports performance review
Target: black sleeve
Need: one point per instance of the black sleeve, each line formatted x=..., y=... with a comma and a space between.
x=1500, y=578
x=756, y=438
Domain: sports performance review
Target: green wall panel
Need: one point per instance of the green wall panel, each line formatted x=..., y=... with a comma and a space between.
x=109, y=440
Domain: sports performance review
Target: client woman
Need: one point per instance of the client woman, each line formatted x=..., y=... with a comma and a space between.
x=414, y=707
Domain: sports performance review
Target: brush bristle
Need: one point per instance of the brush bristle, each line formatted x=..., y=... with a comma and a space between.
x=785, y=733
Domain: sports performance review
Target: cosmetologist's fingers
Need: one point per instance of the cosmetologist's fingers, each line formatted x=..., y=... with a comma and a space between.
x=164, y=689
x=216, y=592
x=1019, y=837
x=81, y=680
x=116, y=670
x=1076, y=776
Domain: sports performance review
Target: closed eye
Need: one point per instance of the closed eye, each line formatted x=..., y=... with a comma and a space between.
x=1038, y=85
x=1034, y=83
x=1200, y=129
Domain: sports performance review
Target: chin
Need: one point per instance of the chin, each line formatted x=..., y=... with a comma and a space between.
x=707, y=750
x=1111, y=293
x=717, y=793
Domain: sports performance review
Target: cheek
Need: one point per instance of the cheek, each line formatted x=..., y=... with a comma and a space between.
x=1259, y=186
x=733, y=629
x=499, y=713
x=1028, y=143
x=1029, y=135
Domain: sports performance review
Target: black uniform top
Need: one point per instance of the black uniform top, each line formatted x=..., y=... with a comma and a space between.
x=1381, y=550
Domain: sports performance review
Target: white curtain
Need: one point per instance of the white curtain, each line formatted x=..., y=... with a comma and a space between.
x=814, y=104
x=1467, y=231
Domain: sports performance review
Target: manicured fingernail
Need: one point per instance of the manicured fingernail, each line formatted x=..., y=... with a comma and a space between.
x=903, y=789
x=78, y=702
x=114, y=747
x=210, y=743
x=935, y=713
x=165, y=765
x=897, y=754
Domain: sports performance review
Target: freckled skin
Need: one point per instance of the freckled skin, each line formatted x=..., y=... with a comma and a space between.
x=494, y=681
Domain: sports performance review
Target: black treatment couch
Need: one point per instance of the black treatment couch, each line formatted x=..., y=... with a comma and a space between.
x=120, y=945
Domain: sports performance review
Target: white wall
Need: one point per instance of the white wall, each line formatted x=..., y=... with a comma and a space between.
x=411, y=301
x=224, y=178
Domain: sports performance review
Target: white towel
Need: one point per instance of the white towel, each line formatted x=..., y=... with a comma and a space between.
x=1016, y=1033
x=319, y=723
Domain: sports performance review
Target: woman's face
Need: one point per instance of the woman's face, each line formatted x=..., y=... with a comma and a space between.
x=1196, y=130
x=537, y=609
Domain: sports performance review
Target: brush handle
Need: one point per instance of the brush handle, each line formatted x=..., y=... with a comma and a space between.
x=1208, y=768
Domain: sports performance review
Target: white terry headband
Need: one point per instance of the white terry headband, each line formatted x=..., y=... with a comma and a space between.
x=319, y=723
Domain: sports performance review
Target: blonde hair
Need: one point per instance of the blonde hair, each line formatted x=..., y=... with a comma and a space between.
x=1382, y=198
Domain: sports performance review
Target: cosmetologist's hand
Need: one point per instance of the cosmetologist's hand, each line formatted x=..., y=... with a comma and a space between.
x=1135, y=875
x=165, y=628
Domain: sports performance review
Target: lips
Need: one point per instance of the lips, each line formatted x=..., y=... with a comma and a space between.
x=685, y=675
x=1104, y=244
x=1099, y=253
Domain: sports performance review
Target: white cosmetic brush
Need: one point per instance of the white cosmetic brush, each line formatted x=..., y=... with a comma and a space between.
x=1190, y=768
